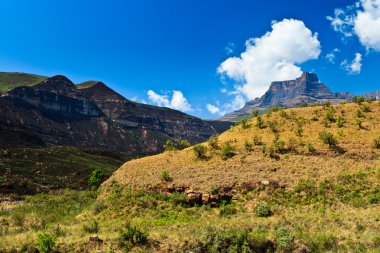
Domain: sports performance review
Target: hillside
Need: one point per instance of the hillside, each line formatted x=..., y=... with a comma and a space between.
x=274, y=186
x=10, y=80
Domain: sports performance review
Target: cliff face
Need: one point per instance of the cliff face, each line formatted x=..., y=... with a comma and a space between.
x=56, y=112
x=292, y=93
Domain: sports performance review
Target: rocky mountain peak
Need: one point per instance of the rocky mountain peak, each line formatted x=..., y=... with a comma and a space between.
x=307, y=76
x=99, y=91
x=57, y=84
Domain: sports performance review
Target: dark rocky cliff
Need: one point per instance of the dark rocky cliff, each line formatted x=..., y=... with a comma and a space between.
x=56, y=112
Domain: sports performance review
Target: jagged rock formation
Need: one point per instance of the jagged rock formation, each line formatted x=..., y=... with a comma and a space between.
x=57, y=112
x=292, y=93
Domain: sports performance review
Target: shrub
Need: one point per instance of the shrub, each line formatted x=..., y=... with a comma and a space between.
x=247, y=145
x=227, y=209
x=359, y=113
x=263, y=210
x=358, y=100
x=244, y=123
x=46, y=242
x=169, y=146
x=366, y=107
x=227, y=151
x=340, y=121
x=359, y=123
x=328, y=138
x=98, y=207
x=298, y=131
x=96, y=178
x=255, y=113
x=284, y=238
x=329, y=115
x=91, y=227
x=259, y=122
x=200, y=151
x=273, y=125
x=310, y=148
x=214, y=189
x=166, y=176
x=183, y=143
x=213, y=142
x=131, y=236
x=376, y=142
x=257, y=140
x=292, y=144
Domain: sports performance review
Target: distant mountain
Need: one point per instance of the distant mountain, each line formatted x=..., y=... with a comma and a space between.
x=293, y=93
x=91, y=115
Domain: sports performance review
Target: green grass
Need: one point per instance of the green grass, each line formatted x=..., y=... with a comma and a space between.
x=13, y=79
x=32, y=170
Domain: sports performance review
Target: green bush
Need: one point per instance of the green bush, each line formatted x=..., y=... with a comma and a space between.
x=214, y=189
x=91, y=227
x=166, y=176
x=244, y=123
x=169, y=146
x=358, y=100
x=213, y=142
x=247, y=145
x=328, y=138
x=131, y=236
x=183, y=143
x=96, y=178
x=298, y=131
x=227, y=209
x=259, y=122
x=359, y=113
x=329, y=115
x=273, y=125
x=257, y=140
x=227, y=151
x=199, y=151
x=340, y=121
x=284, y=238
x=46, y=242
x=255, y=113
x=376, y=142
x=359, y=123
x=263, y=210
x=366, y=107
x=310, y=148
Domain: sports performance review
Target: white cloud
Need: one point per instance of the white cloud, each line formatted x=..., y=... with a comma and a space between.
x=236, y=104
x=332, y=55
x=362, y=20
x=177, y=102
x=212, y=109
x=230, y=48
x=355, y=66
x=271, y=57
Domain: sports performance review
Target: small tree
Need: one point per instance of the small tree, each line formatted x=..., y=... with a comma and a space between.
x=213, y=142
x=227, y=151
x=46, y=242
x=244, y=123
x=183, y=143
x=255, y=113
x=259, y=122
x=328, y=138
x=96, y=178
x=199, y=151
x=169, y=146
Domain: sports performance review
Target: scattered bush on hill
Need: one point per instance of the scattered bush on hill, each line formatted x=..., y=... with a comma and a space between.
x=263, y=210
x=169, y=146
x=376, y=142
x=96, y=178
x=130, y=236
x=227, y=151
x=366, y=107
x=166, y=176
x=200, y=151
x=91, y=227
x=259, y=122
x=247, y=145
x=183, y=143
x=340, y=121
x=46, y=242
x=257, y=140
x=255, y=113
x=328, y=138
x=213, y=142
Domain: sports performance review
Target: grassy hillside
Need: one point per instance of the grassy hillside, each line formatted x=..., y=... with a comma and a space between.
x=10, y=80
x=86, y=84
x=302, y=180
x=32, y=170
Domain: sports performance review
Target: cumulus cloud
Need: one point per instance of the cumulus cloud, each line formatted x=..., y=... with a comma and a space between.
x=178, y=101
x=237, y=102
x=362, y=20
x=332, y=55
x=354, y=67
x=271, y=57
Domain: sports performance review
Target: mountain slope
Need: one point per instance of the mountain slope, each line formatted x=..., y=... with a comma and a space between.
x=10, y=80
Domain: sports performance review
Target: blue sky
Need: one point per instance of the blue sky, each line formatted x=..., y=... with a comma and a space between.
x=145, y=50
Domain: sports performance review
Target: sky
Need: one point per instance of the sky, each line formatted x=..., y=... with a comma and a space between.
x=205, y=58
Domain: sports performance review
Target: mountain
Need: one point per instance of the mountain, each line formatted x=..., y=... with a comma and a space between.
x=91, y=115
x=293, y=93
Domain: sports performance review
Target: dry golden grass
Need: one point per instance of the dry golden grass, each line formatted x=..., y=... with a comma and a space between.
x=185, y=169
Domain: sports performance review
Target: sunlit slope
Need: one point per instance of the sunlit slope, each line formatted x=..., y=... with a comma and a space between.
x=303, y=156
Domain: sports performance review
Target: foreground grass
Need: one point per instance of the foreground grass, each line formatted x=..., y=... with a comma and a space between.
x=340, y=214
